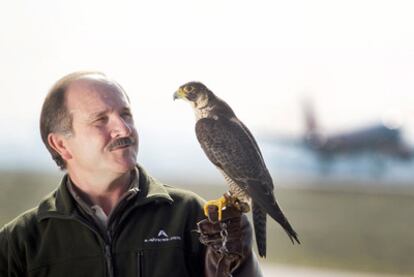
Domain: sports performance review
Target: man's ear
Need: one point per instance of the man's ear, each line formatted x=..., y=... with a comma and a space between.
x=58, y=143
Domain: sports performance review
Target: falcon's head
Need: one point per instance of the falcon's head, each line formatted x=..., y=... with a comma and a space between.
x=194, y=92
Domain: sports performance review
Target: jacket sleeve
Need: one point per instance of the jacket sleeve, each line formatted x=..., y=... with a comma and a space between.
x=9, y=266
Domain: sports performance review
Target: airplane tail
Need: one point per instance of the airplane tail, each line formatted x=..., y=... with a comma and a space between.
x=312, y=132
x=311, y=125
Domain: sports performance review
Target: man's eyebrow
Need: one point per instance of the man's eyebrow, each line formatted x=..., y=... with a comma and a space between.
x=97, y=114
x=126, y=109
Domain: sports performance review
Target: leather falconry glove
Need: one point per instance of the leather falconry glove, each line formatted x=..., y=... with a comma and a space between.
x=224, y=240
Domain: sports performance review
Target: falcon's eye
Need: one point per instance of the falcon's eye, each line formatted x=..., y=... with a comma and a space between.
x=188, y=89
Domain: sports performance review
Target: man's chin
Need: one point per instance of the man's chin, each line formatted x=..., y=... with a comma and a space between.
x=126, y=165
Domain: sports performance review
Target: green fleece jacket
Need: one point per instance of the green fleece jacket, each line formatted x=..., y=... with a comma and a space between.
x=153, y=235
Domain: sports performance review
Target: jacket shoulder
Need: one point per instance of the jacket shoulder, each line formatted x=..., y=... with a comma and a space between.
x=22, y=221
x=27, y=222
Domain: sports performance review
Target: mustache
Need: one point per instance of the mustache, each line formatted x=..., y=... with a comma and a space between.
x=121, y=142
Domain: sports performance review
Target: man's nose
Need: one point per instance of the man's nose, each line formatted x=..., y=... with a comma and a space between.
x=120, y=127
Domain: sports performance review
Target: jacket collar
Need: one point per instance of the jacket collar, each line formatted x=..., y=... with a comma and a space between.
x=61, y=203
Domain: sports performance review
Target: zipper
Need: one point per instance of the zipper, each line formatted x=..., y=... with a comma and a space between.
x=108, y=254
x=140, y=264
x=108, y=259
x=107, y=246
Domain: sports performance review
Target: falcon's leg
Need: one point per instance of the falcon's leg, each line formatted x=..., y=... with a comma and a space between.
x=239, y=204
x=243, y=206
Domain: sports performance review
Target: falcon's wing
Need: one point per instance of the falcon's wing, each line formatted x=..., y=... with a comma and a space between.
x=249, y=134
x=233, y=150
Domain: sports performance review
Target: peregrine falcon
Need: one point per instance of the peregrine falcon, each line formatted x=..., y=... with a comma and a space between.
x=231, y=147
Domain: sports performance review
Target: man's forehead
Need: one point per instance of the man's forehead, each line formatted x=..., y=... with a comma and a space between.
x=90, y=92
x=96, y=83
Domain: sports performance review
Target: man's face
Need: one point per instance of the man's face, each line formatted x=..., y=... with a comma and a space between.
x=104, y=139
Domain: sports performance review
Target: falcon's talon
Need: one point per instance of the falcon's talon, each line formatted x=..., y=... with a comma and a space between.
x=219, y=203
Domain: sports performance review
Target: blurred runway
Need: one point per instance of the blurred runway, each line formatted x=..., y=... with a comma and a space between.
x=270, y=270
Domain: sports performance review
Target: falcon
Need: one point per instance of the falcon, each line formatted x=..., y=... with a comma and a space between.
x=231, y=147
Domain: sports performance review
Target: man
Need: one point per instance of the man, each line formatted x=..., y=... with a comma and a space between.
x=108, y=217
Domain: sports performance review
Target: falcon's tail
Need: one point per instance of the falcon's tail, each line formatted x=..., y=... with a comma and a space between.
x=276, y=213
x=269, y=205
x=259, y=222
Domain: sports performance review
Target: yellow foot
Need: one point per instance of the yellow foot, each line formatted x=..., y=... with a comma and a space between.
x=226, y=201
x=219, y=203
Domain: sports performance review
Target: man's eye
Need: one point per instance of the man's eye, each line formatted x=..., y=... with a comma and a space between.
x=126, y=115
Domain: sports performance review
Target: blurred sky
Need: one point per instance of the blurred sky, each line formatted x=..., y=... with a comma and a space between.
x=353, y=59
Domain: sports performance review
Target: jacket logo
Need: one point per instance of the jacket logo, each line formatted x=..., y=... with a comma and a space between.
x=162, y=237
x=162, y=233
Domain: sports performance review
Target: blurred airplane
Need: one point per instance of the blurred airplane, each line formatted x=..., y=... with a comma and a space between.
x=376, y=140
x=366, y=150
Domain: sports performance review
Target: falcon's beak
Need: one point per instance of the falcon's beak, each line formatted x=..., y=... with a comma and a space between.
x=179, y=94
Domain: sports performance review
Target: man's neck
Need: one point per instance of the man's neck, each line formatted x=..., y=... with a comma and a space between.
x=100, y=191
